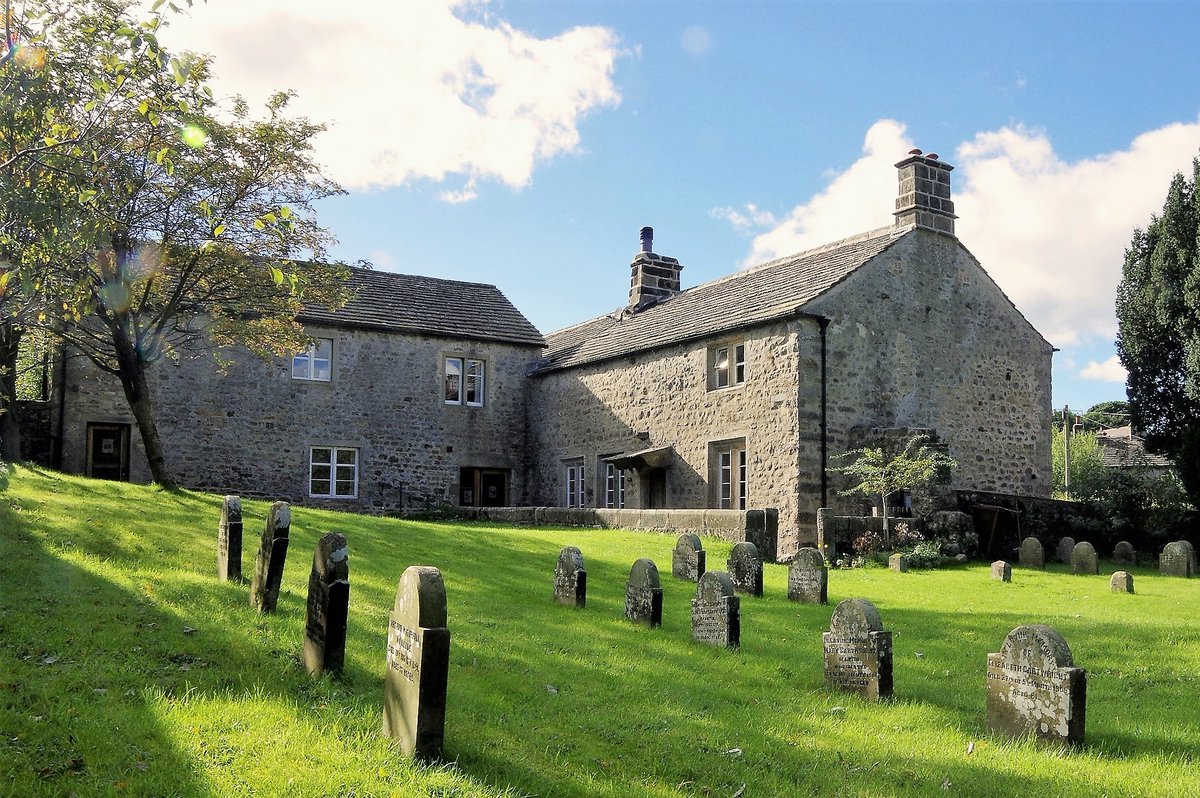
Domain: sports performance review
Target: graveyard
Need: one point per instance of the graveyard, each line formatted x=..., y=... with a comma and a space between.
x=127, y=667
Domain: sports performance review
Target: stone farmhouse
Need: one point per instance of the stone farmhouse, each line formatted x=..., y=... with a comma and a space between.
x=734, y=394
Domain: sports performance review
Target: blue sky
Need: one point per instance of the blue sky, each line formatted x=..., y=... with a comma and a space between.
x=525, y=143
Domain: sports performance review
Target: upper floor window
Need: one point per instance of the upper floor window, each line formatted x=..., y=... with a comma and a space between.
x=333, y=472
x=314, y=363
x=727, y=365
x=464, y=381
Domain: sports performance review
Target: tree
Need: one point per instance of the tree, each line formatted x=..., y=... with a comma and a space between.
x=1158, y=313
x=881, y=473
x=144, y=220
x=1088, y=471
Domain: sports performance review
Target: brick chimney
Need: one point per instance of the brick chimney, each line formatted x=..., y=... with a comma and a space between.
x=925, y=193
x=654, y=277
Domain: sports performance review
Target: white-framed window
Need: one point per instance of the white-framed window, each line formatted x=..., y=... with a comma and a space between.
x=314, y=363
x=464, y=381
x=333, y=472
x=614, y=487
x=727, y=365
x=573, y=478
x=730, y=474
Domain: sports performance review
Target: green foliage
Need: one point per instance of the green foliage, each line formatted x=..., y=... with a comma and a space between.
x=926, y=554
x=1088, y=471
x=1099, y=416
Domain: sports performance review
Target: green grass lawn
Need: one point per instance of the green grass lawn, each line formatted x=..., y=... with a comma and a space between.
x=103, y=691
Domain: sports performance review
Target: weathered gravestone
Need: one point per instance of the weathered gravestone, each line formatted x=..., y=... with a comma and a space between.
x=570, y=579
x=1177, y=559
x=272, y=554
x=687, y=561
x=746, y=568
x=1032, y=555
x=808, y=578
x=716, y=614
x=1121, y=582
x=858, y=652
x=1065, y=547
x=898, y=563
x=1033, y=687
x=229, y=540
x=643, y=593
x=418, y=664
x=1123, y=554
x=1001, y=571
x=328, y=603
x=1084, y=561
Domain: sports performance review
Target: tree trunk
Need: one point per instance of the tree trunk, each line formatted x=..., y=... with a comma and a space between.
x=10, y=424
x=132, y=372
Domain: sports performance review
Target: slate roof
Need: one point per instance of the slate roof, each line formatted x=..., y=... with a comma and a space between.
x=1120, y=448
x=763, y=293
x=427, y=305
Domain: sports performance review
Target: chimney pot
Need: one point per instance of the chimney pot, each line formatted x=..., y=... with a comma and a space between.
x=647, y=239
x=914, y=151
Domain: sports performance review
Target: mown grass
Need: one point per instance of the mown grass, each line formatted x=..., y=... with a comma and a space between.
x=103, y=691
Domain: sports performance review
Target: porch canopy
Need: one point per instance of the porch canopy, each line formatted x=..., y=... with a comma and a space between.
x=644, y=459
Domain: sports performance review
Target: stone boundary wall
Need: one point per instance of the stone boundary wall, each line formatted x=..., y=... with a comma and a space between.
x=833, y=530
x=37, y=432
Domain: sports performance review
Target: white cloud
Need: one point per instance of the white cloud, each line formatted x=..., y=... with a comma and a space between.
x=411, y=90
x=1110, y=370
x=382, y=259
x=752, y=218
x=696, y=41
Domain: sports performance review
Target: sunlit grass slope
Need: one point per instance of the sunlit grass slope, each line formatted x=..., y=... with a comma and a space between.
x=105, y=691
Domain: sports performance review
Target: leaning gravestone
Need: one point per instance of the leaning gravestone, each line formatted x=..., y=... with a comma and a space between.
x=272, y=554
x=716, y=614
x=418, y=664
x=1032, y=555
x=746, y=568
x=1033, y=687
x=570, y=579
x=1065, y=547
x=1177, y=559
x=229, y=540
x=643, y=594
x=898, y=563
x=1121, y=582
x=1084, y=561
x=1123, y=554
x=328, y=604
x=1001, y=571
x=858, y=652
x=808, y=578
x=687, y=561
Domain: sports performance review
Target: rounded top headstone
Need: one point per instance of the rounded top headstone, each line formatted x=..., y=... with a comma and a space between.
x=1000, y=564
x=331, y=558
x=688, y=542
x=644, y=573
x=808, y=557
x=1185, y=546
x=231, y=508
x=743, y=549
x=1041, y=644
x=1083, y=549
x=855, y=617
x=1123, y=548
x=421, y=597
x=714, y=585
x=570, y=559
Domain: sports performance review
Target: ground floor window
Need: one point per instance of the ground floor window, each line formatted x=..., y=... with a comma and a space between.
x=573, y=478
x=614, y=487
x=333, y=472
x=730, y=474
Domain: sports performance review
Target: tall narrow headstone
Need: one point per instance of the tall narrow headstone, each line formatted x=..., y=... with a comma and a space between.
x=1063, y=551
x=328, y=604
x=1032, y=555
x=716, y=614
x=808, y=578
x=272, y=553
x=746, y=568
x=229, y=540
x=1033, y=687
x=1001, y=571
x=1123, y=554
x=570, y=579
x=643, y=593
x=1084, y=561
x=858, y=652
x=1121, y=582
x=1177, y=559
x=418, y=664
x=687, y=561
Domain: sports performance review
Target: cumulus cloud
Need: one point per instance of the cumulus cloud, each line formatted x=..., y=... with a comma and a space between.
x=436, y=89
x=1110, y=370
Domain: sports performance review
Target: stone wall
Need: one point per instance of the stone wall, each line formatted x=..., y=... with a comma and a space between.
x=37, y=431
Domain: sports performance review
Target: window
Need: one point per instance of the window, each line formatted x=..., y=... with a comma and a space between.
x=730, y=474
x=574, y=480
x=314, y=363
x=333, y=472
x=614, y=487
x=464, y=381
x=727, y=366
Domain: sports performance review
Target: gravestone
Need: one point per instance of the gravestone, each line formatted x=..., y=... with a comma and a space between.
x=272, y=554
x=746, y=568
x=898, y=563
x=1123, y=554
x=1084, y=561
x=418, y=664
x=858, y=652
x=808, y=578
x=716, y=614
x=1121, y=582
x=229, y=540
x=328, y=603
x=1063, y=552
x=687, y=561
x=1033, y=687
x=1032, y=555
x=643, y=593
x=1177, y=559
x=570, y=579
x=1001, y=571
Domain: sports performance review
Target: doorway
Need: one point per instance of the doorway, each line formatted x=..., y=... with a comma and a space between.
x=108, y=451
x=654, y=489
x=483, y=487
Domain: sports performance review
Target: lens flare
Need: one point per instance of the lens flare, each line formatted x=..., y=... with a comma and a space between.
x=194, y=136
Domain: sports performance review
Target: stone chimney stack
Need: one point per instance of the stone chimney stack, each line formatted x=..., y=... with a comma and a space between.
x=654, y=277
x=925, y=193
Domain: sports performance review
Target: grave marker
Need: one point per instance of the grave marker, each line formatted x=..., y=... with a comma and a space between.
x=643, y=593
x=1033, y=687
x=898, y=562
x=418, y=664
x=716, y=614
x=746, y=568
x=687, y=561
x=570, y=579
x=1032, y=555
x=1121, y=582
x=328, y=604
x=808, y=578
x=1084, y=561
x=272, y=554
x=858, y=652
x=1063, y=552
x=1177, y=559
x=1123, y=554
x=1001, y=571
x=229, y=540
